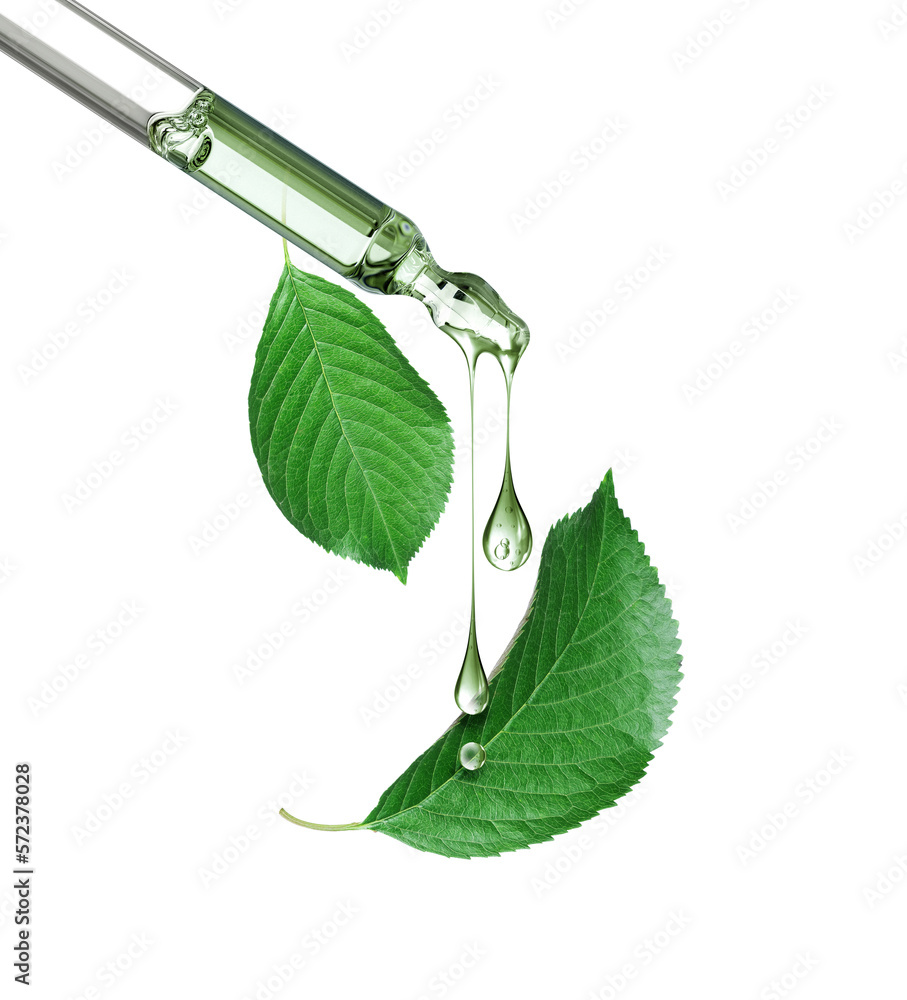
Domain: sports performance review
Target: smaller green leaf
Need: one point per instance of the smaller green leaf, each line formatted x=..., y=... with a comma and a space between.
x=353, y=445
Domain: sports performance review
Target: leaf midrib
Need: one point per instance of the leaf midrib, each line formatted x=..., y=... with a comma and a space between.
x=308, y=326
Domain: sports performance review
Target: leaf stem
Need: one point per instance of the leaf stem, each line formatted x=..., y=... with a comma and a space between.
x=320, y=826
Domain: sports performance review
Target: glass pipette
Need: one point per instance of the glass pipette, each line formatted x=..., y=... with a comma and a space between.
x=259, y=171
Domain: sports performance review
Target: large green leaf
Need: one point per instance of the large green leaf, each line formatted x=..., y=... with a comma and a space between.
x=353, y=445
x=582, y=698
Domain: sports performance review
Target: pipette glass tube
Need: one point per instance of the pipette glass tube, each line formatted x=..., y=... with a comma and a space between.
x=256, y=169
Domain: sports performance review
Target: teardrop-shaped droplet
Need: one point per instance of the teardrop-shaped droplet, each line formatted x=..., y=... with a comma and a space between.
x=508, y=538
x=472, y=756
x=471, y=691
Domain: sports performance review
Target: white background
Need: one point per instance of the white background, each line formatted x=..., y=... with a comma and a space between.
x=770, y=811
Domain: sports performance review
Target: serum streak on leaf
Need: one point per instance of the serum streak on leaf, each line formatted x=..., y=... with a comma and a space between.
x=353, y=445
x=581, y=700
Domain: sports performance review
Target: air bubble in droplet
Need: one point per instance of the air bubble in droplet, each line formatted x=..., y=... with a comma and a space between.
x=507, y=541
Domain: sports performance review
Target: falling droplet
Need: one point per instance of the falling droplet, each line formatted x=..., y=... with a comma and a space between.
x=471, y=691
x=472, y=756
x=508, y=538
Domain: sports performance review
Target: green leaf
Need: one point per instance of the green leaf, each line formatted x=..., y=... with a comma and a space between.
x=353, y=445
x=581, y=699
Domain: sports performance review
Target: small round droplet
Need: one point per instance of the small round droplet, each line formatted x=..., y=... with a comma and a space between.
x=508, y=510
x=502, y=549
x=472, y=756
